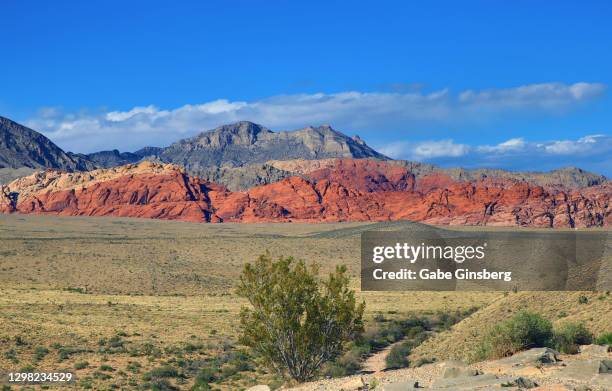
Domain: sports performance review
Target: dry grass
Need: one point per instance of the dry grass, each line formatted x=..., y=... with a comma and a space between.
x=164, y=290
x=163, y=286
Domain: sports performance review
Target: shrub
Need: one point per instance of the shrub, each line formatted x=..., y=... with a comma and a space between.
x=162, y=385
x=604, y=339
x=523, y=331
x=40, y=353
x=398, y=356
x=422, y=361
x=27, y=368
x=86, y=383
x=81, y=365
x=345, y=365
x=207, y=375
x=191, y=347
x=133, y=367
x=101, y=375
x=19, y=341
x=570, y=335
x=11, y=355
x=115, y=342
x=161, y=372
x=65, y=352
x=297, y=322
x=200, y=385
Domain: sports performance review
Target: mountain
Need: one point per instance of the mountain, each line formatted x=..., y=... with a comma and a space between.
x=107, y=159
x=351, y=190
x=243, y=155
x=23, y=147
x=114, y=158
x=245, y=143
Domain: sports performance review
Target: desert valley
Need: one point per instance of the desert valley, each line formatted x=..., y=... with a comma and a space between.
x=111, y=270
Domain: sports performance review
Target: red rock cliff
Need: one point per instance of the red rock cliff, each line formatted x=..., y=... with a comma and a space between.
x=344, y=190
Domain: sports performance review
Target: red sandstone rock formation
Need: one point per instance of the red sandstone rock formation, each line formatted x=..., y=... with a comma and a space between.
x=347, y=190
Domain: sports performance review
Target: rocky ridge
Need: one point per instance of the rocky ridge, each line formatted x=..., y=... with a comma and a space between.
x=244, y=143
x=21, y=146
x=351, y=190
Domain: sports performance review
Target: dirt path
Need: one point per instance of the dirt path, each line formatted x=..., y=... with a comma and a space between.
x=376, y=362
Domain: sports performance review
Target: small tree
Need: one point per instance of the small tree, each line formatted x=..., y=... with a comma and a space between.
x=297, y=322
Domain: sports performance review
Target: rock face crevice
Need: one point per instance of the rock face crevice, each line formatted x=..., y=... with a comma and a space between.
x=347, y=190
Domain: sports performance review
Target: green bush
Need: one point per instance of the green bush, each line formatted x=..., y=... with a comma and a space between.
x=570, y=335
x=40, y=353
x=161, y=372
x=295, y=316
x=523, y=331
x=161, y=385
x=604, y=339
x=66, y=352
x=398, y=356
x=208, y=374
x=101, y=375
x=81, y=365
x=133, y=366
x=347, y=364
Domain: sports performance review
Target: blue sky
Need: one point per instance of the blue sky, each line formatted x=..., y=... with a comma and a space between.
x=514, y=85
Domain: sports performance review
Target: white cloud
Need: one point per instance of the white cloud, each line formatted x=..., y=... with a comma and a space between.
x=118, y=116
x=544, y=95
x=433, y=149
x=588, y=151
x=582, y=145
x=514, y=144
x=89, y=131
x=425, y=150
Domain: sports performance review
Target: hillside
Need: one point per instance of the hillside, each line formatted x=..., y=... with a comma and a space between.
x=461, y=341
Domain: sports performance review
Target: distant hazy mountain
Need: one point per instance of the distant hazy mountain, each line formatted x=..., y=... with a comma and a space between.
x=23, y=147
x=106, y=159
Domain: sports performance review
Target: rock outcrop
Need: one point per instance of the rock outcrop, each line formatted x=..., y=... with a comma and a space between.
x=350, y=190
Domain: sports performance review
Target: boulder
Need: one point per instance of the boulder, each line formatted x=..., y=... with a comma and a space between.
x=594, y=350
x=535, y=356
x=605, y=366
x=583, y=369
x=521, y=382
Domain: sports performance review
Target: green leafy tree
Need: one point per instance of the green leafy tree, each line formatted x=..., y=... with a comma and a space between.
x=297, y=322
